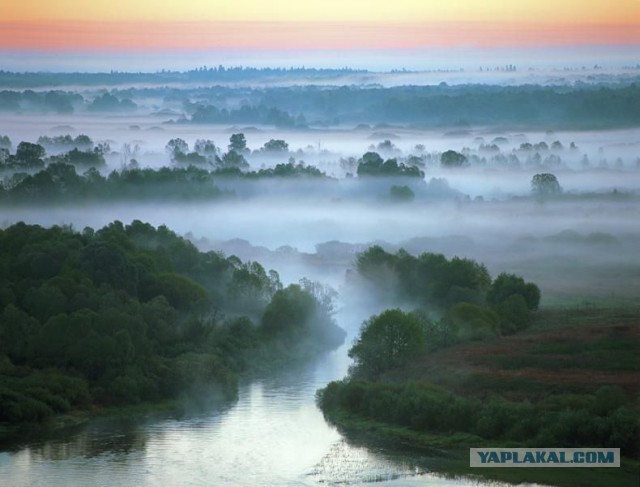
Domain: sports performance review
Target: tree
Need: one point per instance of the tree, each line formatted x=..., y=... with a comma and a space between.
x=251, y=286
x=177, y=146
x=83, y=142
x=234, y=159
x=30, y=154
x=180, y=291
x=289, y=312
x=4, y=155
x=5, y=142
x=276, y=145
x=109, y=103
x=506, y=285
x=386, y=146
x=545, y=184
x=86, y=158
x=452, y=158
x=371, y=164
x=401, y=193
x=206, y=148
x=237, y=143
x=386, y=341
x=472, y=322
x=377, y=265
x=514, y=314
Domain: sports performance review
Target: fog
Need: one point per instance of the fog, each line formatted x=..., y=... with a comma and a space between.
x=314, y=227
x=588, y=239
x=441, y=161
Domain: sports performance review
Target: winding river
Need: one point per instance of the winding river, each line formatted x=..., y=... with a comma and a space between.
x=274, y=435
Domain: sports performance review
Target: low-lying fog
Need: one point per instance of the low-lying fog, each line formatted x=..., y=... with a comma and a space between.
x=597, y=161
x=581, y=248
x=584, y=250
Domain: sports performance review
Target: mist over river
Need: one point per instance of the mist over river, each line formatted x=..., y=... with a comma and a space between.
x=533, y=178
x=273, y=435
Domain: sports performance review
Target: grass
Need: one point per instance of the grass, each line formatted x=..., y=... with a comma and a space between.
x=448, y=455
x=565, y=350
x=563, y=359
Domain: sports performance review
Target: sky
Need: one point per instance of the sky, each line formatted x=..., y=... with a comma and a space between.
x=291, y=31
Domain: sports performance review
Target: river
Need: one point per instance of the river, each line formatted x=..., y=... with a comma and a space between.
x=274, y=435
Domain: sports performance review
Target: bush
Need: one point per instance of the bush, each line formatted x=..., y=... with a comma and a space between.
x=472, y=322
x=514, y=314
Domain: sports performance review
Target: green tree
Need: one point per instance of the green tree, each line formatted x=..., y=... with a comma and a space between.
x=176, y=147
x=276, y=145
x=291, y=310
x=44, y=301
x=237, y=143
x=401, y=193
x=472, y=322
x=207, y=148
x=514, y=314
x=378, y=266
x=452, y=158
x=180, y=291
x=16, y=331
x=234, y=159
x=545, y=184
x=86, y=158
x=506, y=285
x=30, y=154
x=5, y=142
x=386, y=341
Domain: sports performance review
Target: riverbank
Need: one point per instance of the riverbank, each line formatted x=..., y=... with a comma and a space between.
x=448, y=455
x=570, y=380
x=23, y=432
x=265, y=364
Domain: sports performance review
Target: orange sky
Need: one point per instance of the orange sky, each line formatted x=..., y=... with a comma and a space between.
x=70, y=35
x=561, y=11
x=278, y=24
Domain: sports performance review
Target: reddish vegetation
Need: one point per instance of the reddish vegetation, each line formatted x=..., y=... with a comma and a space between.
x=532, y=356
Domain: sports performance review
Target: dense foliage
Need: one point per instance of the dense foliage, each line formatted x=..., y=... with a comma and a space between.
x=386, y=341
x=60, y=182
x=545, y=184
x=456, y=300
x=427, y=280
x=604, y=419
x=371, y=164
x=392, y=351
x=135, y=313
x=586, y=105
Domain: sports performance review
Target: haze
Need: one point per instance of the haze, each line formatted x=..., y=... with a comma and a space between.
x=334, y=164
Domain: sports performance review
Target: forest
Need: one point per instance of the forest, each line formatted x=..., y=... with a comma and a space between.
x=134, y=313
x=595, y=105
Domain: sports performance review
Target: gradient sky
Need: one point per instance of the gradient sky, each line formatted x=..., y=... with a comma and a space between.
x=563, y=11
x=111, y=26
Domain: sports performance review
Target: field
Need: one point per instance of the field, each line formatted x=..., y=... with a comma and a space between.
x=579, y=367
x=565, y=351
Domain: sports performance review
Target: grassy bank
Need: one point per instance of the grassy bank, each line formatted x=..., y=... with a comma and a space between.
x=571, y=380
x=448, y=455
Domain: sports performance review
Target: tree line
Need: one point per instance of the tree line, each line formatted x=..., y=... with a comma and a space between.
x=455, y=300
x=132, y=313
x=587, y=106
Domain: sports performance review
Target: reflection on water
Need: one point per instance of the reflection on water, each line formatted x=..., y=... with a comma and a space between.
x=274, y=435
